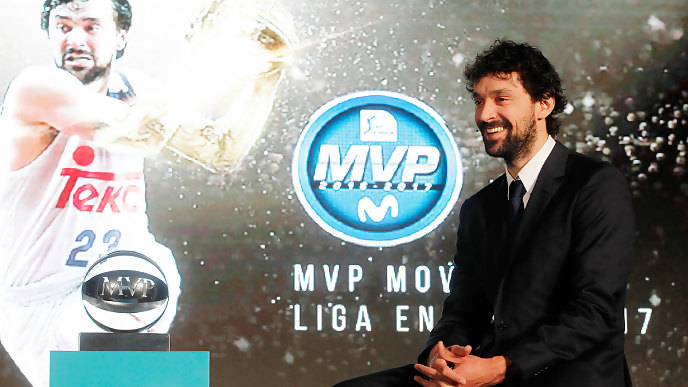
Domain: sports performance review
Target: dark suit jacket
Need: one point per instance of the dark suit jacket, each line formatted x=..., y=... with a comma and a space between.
x=557, y=293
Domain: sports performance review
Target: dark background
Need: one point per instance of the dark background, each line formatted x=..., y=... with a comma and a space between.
x=237, y=236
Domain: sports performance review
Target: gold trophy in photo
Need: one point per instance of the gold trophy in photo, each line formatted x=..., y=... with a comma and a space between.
x=224, y=85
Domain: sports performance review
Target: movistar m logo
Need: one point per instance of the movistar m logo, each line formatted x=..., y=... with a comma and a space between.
x=377, y=213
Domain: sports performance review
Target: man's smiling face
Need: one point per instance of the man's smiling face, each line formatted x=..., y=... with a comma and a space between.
x=505, y=115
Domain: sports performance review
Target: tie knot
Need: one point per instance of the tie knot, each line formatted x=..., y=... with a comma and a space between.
x=516, y=190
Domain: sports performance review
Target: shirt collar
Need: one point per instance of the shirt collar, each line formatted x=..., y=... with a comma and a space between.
x=529, y=173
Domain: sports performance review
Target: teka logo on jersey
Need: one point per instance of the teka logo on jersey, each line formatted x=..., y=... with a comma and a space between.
x=377, y=168
x=123, y=192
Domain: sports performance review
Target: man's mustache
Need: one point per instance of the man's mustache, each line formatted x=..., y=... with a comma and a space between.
x=484, y=125
x=72, y=51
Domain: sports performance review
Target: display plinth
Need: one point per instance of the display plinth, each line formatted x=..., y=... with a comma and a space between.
x=124, y=341
x=137, y=368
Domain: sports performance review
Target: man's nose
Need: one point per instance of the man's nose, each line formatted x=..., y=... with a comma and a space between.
x=485, y=112
x=76, y=38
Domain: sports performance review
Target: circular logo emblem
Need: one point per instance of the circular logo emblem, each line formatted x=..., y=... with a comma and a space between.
x=125, y=291
x=377, y=168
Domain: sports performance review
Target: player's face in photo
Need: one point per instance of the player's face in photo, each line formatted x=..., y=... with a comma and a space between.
x=505, y=115
x=84, y=38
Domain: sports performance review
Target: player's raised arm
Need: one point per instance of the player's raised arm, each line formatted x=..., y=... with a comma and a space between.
x=53, y=97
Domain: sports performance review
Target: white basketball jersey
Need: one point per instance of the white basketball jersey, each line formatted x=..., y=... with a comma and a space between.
x=74, y=203
x=70, y=206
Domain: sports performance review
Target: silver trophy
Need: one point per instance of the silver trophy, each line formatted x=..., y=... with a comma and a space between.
x=125, y=293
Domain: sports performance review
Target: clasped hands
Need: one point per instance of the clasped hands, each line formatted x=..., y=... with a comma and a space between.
x=455, y=366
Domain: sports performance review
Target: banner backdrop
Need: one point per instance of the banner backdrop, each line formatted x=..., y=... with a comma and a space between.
x=278, y=291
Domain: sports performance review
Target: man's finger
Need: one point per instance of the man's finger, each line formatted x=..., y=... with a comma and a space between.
x=447, y=372
x=431, y=373
x=427, y=371
x=440, y=372
x=444, y=353
x=433, y=359
x=423, y=382
x=454, y=353
x=430, y=383
x=458, y=350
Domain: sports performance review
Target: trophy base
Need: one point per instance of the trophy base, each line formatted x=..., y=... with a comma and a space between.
x=124, y=341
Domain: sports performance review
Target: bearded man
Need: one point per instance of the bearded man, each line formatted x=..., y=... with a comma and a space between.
x=543, y=252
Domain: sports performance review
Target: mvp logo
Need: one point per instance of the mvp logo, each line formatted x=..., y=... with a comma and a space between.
x=356, y=156
x=377, y=168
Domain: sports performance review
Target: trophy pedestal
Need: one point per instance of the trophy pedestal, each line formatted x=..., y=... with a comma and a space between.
x=139, y=368
x=124, y=342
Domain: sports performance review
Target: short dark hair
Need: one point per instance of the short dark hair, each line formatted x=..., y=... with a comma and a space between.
x=122, y=9
x=537, y=75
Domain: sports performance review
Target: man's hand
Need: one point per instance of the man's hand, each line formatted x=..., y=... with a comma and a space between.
x=442, y=376
x=451, y=354
x=469, y=371
x=454, y=366
x=440, y=366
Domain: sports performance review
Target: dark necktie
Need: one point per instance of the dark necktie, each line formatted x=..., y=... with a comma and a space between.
x=515, y=208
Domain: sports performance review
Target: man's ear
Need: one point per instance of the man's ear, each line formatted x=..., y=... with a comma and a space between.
x=122, y=38
x=544, y=107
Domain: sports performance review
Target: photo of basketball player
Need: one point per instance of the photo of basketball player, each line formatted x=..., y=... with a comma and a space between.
x=67, y=198
x=74, y=185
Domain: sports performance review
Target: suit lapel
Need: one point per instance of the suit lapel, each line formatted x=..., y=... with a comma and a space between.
x=548, y=182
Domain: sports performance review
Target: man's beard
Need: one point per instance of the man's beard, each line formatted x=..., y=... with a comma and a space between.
x=515, y=145
x=85, y=75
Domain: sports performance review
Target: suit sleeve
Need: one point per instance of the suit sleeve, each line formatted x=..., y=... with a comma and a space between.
x=598, y=265
x=466, y=313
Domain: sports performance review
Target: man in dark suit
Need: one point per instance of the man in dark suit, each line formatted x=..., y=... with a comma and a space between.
x=543, y=252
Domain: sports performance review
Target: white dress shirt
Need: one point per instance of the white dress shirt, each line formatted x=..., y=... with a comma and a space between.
x=530, y=172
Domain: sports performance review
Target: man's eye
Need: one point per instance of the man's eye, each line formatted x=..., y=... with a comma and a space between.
x=477, y=102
